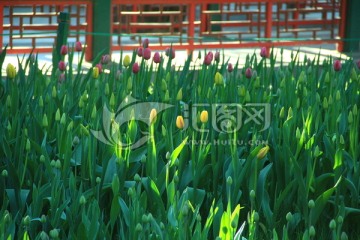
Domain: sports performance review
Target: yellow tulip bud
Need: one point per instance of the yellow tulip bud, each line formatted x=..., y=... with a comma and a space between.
x=10, y=71
x=262, y=153
x=219, y=79
x=95, y=72
x=153, y=115
x=180, y=122
x=126, y=61
x=204, y=116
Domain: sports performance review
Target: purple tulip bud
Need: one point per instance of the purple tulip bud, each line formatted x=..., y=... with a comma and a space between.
x=207, y=60
x=248, y=73
x=147, y=53
x=167, y=52
x=337, y=65
x=217, y=56
x=264, y=52
x=135, y=68
x=145, y=43
x=358, y=64
x=140, y=51
x=230, y=68
x=105, y=59
x=157, y=57
x=62, y=66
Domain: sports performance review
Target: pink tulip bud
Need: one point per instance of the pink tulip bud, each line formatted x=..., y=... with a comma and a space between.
x=64, y=50
x=135, y=68
x=264, y=52
x=167, y=52
x=157, y=57
x=358, y=64
x=62, y=66
x=140, y=51
x=337, y=65
x=248, y=73
x=230, y=68
x=207, y=59
x=99, y=66
x=78, y=47
x=105, y=59
x=211, y=55
x=217, y=56
x=145, y=43
x=147, y=53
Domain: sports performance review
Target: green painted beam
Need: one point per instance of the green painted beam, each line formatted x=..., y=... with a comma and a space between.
x=102, y=26
x=352, y=30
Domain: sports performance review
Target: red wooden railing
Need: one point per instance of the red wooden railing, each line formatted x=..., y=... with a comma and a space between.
x=186, y=24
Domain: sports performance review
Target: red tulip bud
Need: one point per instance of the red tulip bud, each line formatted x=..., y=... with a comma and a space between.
x=147, y=53
x=248, y=73
x=64, y=50
x=157, y=57
x=62, y=66
x=230, y=68
x=140, y=51
x=145, y=43
x=207, y=59
x=78, y=47
x=337, y=65
x=135, y=68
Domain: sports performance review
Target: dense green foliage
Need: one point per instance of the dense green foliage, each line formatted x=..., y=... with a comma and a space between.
x=58, y=180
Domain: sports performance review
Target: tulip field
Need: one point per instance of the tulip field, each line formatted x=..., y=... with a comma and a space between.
x=140, y=148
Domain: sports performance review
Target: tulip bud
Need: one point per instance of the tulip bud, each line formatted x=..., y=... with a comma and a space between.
x=262, y=153
x=58, y=164
x=204, y=116
x=62, y=66
x=207, y=60
x=282, y=112
x=138, y=227
x=180, y=122
x=95, y=72
x=157, y=58
x=241, y=91
x=217, y=56
x=252, y=194
x=230, y=68
x=129, y=84
x=337, y=65
x=70, y=126
x=312, y=231
x=350, y=117
x=75, y=141
x=26, y=220
x=98, y=180
x=105, y=59
x=355, y=110
x=179, y=95
x=145, y=43
x=4, y=173
x=332, y=224
x=167, y=96
x=82, y=200
x=63, y=50
x=344, y=236
x=140, y=51
x=170, y=53
x=78, y=47
x=53, y=92
x=147, y=53
x=54, y=233
x=153, y=114
x=112, y=100
x=298, y=133
x=248, y=73
x=42, y=159
x=10, y=71
x=126, y=61
x=135, y=68
x=45, y=121
x=311, y=203
x=264, y=52
x=289, y=217
x=218, y=79
x=247, y=96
